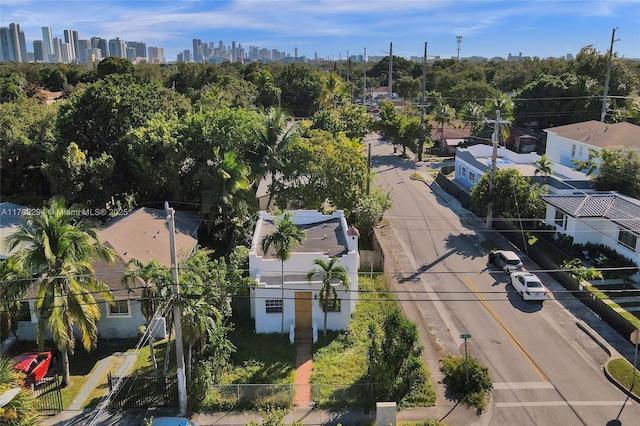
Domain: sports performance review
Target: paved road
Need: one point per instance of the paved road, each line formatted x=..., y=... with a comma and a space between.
x=544, y=367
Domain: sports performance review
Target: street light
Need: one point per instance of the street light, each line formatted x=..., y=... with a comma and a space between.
x=635, y=339
x=466, y=358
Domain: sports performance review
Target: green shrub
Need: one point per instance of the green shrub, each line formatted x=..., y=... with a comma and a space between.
x=475, y=391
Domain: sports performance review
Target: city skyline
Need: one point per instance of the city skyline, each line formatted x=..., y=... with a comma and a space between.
x=331, y=29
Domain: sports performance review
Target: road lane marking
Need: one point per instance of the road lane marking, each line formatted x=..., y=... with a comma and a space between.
x=522, y=385
x=495, y=315
x=561, y=403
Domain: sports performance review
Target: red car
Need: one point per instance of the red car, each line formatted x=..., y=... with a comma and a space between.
x=35, y=365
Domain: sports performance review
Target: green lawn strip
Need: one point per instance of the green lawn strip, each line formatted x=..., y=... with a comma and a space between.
x=70, y=392
x=622, y=370
x=102, y=385
x=143, y=365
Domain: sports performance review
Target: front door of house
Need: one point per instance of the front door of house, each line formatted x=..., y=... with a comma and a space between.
x=303, y=310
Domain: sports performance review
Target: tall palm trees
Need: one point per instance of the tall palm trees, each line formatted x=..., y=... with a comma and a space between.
x=285, y=237
x=156, y=287
x=331, y=275
x=273, y=138
x=58, y=250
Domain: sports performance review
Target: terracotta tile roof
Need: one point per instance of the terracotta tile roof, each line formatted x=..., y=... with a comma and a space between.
x=602, y=135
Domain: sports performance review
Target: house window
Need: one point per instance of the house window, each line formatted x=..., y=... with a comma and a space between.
x=464, y=171
x=119, y=308
x=573, y=150
x=561, y=220
x=627, y=239
x=472, y=176
x=273, y=306
x=332, y=306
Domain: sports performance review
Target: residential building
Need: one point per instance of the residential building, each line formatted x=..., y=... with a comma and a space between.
x=142, y=234
x=448, y=136
x=473, y=162
x=607, y=218
x=295, y=304
x=572, y=142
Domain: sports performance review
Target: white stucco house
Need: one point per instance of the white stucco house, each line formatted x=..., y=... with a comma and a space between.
x=295, y=304
x=570, y=143
x=607, y=218
x=473, y=162
x=142, y=234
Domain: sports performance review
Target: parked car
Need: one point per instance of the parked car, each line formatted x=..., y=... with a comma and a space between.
x=35, y=365
x=506, y=260
x=172, y=421
x=529, y=286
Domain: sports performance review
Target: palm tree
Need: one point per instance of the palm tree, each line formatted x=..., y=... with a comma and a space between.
x=285, y=237
x=331, y=275
x=156, y=287
x=332, y=91
x=18, y=408
x=9, y=300
x=273, y=138
x=199, y=320
x=58, y=250
x=543, y=166
x=443, y=114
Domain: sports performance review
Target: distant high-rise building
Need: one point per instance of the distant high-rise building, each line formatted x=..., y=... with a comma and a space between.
x=39, y=51
x=57, y=49
x=71, y=38
x=102, y=44
x=118, y=48
x=156, y=55
x=14, y=39
x=47, y=38
x=198, y=50
x=186, y=55
x=84, y=46
x=139, y=49
x=6, y=47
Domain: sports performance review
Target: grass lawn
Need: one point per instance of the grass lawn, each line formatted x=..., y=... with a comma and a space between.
x=143, y=365
x=340, y=361
x=622, y=371
x=102, y=386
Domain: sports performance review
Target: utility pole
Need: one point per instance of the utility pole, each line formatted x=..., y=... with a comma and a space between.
x=364, y=79
x=390, y=70
x=606, y=83
x=422, y=102
x=369, y=169
x=182, y=385
x=494, y=157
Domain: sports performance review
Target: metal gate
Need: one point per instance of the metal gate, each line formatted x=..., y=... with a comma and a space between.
x=138, y=392
x=47, y=395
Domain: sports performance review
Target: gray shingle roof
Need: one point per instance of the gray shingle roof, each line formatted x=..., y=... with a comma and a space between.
x=326, y=237
x=624, y=211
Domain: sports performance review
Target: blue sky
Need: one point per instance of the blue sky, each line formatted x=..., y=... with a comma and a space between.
x=331, y=28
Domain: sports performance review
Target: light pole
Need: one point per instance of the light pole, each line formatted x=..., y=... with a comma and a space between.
x=635, y=339
x=466, y=358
